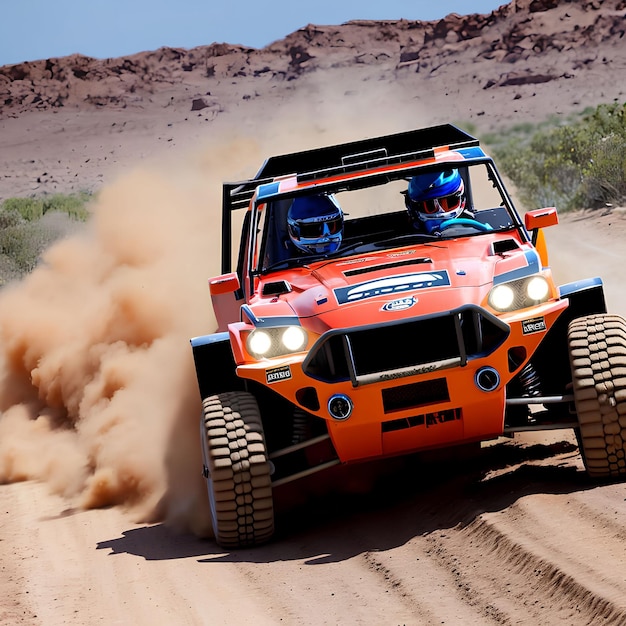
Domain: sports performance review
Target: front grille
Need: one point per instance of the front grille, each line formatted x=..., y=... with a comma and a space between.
x=415, y=394
x=384, y=352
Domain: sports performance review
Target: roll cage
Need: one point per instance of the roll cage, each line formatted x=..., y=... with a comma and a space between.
x=350, y=167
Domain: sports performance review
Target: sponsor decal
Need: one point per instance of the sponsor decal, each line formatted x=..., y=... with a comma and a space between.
x=392, y=286
x=277, y=374
x=411, y=371
x=353, y=261
x=534, y=325
x=402, y=253
x=401, y=304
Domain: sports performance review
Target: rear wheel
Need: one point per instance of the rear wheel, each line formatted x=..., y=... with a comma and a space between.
x=597, y=350
x=238, y=470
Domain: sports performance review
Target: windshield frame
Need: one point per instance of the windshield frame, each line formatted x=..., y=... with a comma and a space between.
x=260, y=263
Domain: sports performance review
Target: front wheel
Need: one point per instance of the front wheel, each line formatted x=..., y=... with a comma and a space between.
x=237, y=470
x=597, y=350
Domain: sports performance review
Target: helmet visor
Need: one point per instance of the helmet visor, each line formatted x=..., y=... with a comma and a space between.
x=445, y=204
x=316, y=228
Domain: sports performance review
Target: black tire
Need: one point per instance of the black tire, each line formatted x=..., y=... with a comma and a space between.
x=239, y=481
x=597, y=351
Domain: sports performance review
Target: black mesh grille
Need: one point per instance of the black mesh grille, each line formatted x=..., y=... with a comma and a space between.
x=404, y=348
x=415, y=394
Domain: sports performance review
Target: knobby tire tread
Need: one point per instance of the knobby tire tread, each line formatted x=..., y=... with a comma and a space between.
x=597, y=349
x=239, y=479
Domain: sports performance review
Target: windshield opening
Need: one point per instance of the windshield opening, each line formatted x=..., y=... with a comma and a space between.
x=435, y=204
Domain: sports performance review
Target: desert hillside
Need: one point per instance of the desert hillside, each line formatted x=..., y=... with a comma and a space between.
x=71, y=123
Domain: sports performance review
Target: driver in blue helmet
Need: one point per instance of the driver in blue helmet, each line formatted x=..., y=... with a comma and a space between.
x=433, y=198
x=315, y=224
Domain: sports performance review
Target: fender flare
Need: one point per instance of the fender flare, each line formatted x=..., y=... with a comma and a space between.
x=215, y=365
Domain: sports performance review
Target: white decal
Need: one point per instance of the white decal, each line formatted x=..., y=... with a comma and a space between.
x=400, y=304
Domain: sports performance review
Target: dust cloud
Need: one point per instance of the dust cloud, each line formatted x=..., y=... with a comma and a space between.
x=95, y=365
x=98, y=395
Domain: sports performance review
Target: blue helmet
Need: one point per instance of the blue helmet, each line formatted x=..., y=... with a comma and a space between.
x=315, y=224
x=434, y=197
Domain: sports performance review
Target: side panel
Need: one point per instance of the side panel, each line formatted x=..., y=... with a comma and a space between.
x=586, y=297
x=215, y=366
x=551, y=359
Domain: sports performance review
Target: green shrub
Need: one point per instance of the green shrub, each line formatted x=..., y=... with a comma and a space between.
x=22, y=243
x=29, y=225
x=31, y=209
x=581, y=164
x=28, y=208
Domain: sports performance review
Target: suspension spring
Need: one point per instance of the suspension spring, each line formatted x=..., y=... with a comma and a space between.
x=530, y=381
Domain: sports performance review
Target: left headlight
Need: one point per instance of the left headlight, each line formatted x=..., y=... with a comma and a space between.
x=276, y=341
x=519, y=294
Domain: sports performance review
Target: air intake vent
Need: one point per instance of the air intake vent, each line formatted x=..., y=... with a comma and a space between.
x=276, y=288
x=505, y=245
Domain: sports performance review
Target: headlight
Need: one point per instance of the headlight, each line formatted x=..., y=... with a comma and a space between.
x=501, y=297
x=276, y=341
x=259, y=342
x=519, y=294
x=537, y=289
x=294, y=338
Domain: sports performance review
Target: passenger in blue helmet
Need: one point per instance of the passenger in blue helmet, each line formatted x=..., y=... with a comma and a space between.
x=315, y=224
x=434, y=197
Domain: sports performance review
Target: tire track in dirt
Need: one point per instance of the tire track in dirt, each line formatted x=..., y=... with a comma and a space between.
x=506, y=572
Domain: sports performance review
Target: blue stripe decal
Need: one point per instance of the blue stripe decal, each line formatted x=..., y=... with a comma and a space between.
x=533, y=267
x=471, y=153
x=270, y=321
x=269, y=189
x=277, y=321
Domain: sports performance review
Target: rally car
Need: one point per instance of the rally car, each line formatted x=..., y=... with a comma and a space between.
x=398, y=339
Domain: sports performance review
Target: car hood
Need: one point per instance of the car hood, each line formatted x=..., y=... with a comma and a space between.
x=381, y=287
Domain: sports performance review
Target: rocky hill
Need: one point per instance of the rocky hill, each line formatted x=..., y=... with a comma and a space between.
x=75, y=123
x=522, y=47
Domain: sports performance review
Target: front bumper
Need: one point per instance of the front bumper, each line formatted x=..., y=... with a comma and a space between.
x=414, y=384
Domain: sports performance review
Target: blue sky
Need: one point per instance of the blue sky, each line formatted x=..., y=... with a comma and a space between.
x=41, y=29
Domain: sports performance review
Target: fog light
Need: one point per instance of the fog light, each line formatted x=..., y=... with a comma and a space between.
x=340, y=407
x=487, y=379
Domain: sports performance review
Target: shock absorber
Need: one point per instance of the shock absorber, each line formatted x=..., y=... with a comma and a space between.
x=530, y=381
x=301, y=427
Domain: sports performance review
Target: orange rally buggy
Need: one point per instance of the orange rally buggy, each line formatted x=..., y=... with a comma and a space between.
x=399, y=341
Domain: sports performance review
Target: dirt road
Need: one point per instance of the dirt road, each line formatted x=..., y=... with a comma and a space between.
x=517, y=535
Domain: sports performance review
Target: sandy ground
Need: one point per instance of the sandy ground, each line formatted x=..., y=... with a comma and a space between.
x=517, y=535
x=102, y=507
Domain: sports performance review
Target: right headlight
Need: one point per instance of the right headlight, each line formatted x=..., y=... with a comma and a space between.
x=519, y=294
